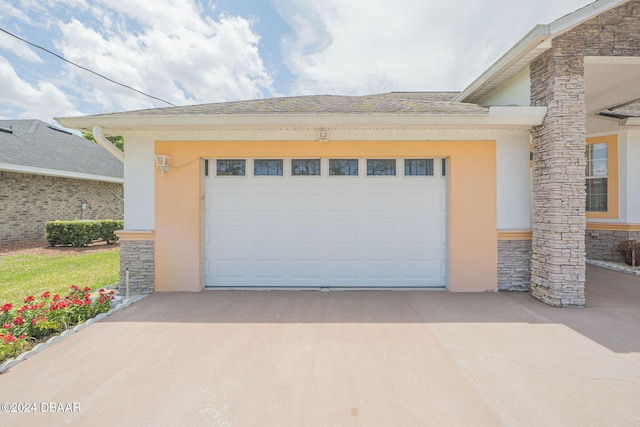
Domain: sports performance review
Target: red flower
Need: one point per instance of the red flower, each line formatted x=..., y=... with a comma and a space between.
x=101, y=290
x=87, y=301
x=37, y=306
x=7, y=326
x=18, y=321
x=30, y=298
x=7, y=307
x=56, y=297
x=22, y=336
x=46, y=294
x=86, y=289
x=9, y=338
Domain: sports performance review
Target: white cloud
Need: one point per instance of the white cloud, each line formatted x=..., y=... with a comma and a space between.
x=41, y=100
x=354, y=47
x=18, y=48
x=168, y=49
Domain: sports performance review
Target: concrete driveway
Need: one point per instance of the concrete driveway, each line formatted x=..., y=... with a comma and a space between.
x=344, y=359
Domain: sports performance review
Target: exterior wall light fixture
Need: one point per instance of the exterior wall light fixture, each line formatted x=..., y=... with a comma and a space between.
x=162, y=162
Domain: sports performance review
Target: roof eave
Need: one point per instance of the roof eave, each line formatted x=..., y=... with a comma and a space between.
x=497, y=116
x=10, y=167
x=536, y=42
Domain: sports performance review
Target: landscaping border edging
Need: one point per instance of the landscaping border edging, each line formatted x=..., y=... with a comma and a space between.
x=615, y=266
x=5, y=366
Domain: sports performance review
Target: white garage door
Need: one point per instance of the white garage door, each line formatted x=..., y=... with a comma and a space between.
x=352, y=223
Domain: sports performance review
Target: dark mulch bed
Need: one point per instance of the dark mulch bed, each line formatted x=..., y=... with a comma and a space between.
x=44, y=249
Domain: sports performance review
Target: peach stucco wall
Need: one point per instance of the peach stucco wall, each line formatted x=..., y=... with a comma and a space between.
x=472, y=202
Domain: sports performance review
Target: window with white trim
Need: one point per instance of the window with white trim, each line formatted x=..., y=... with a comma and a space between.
x=271, y=167
x=381, y=167
x=305, y=167
x=343, y=167
x=230, y=167
x=597, y=175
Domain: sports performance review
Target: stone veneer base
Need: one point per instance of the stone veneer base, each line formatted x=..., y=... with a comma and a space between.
x=138, y=257
x=514, y=265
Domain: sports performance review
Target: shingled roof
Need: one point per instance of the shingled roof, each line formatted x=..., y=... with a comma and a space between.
x=428, y=103
x=36, y=144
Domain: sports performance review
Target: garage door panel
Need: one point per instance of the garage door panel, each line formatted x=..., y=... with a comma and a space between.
x=267, y=235
x=344, y=269
x=266, y=201
x=229, y=202
x=343, y=236
x=379, y=269
x=382, y=236
x=230, y=268
x=325, y=231
x=267, y=268
x=305, y=269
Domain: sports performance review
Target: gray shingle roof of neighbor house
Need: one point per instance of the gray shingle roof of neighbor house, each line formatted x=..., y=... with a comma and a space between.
x=36, y=144
x=394, y=103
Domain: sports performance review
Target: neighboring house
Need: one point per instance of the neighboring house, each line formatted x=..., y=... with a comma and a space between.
x=47, y=173
x=481, y=190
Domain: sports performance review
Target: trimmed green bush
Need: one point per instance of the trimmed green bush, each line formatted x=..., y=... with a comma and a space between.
x=81, y=233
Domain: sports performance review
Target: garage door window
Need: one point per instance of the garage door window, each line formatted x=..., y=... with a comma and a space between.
x=267, y=167
x=231, y=167
x=381, y=167
x=347, y=167
x=305, y=167
x=418, y=167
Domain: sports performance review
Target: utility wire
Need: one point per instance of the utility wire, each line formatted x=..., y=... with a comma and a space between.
x=84, y=68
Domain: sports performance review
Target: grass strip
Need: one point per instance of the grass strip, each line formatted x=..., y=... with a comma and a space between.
x=22, y=275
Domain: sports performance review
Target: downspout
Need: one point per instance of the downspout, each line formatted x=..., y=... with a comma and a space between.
x=106, y=144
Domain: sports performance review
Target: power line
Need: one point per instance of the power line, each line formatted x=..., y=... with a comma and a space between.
x=85, y=68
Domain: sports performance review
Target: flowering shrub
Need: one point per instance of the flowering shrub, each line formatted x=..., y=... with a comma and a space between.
x=47, y=315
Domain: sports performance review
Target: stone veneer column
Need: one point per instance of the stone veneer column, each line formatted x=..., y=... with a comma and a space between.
x=137, y=254
x=558, y=245
x=557, y=81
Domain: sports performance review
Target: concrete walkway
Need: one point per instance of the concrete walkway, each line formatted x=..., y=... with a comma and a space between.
x=344, y=359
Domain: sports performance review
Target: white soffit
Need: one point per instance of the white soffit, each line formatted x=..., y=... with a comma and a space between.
x=537, y=41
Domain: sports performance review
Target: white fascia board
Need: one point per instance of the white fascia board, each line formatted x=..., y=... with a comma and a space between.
x=631, y=121
x=528, y=43
x=534, y=114
x=58, y=173
x=538, y=38
x=512, y=116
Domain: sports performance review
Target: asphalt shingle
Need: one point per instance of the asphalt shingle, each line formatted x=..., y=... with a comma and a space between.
x=37, y=144
x=410, y=103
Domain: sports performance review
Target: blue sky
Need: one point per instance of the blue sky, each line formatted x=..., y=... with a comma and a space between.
x=200, y=51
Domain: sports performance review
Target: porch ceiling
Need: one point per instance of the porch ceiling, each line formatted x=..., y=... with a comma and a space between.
x=609, y=82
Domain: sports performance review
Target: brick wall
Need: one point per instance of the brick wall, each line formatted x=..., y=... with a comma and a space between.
x=558, y=176
x=137, y=256
x=514, y=265
x=28, y=201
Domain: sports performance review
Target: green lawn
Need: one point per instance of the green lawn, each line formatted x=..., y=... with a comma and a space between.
x=23, y=275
